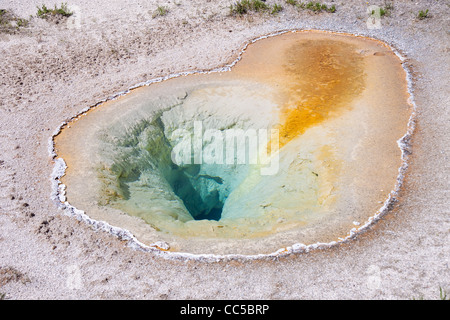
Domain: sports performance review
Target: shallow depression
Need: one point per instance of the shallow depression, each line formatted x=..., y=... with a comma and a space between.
x=322, y=111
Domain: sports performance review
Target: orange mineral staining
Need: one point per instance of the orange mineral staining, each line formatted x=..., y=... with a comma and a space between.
x=325, y=77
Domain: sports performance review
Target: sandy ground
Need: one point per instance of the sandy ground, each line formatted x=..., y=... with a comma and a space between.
x=50, y=72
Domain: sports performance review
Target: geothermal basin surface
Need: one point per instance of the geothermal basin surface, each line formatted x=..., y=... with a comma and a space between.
x=323, y=112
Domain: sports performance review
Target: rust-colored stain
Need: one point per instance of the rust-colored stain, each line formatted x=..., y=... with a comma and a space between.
x=324, y=77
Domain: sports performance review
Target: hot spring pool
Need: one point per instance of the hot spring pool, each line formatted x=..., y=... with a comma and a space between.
x=296, y=144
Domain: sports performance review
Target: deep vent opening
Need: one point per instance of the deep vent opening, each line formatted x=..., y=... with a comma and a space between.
x=202, y=204
x=202, y=192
